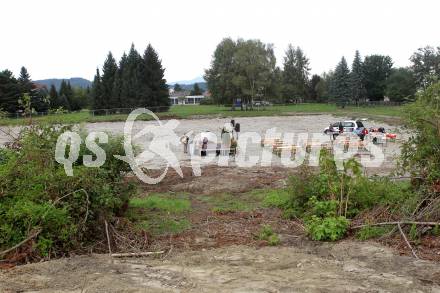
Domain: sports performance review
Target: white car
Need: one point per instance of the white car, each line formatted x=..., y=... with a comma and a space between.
x=348, y=126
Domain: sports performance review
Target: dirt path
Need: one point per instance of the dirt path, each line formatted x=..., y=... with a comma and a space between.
x=310, y=267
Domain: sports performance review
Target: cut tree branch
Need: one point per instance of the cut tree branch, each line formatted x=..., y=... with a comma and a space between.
x=406, y=241
x=398, y=223
x=136, y=254
x=35, y=234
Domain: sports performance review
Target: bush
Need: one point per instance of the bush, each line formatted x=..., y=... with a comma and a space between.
x=36, y=195
x=267, y=234
x=327, y=228
x=348, y=190
x=420, y=154
x=325, y=200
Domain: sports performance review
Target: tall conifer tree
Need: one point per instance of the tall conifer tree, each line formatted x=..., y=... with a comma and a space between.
x=53, y=95
x=153, y=84
x=341, y=83
x=97, y=92
x=109, y=71
x=357, y=79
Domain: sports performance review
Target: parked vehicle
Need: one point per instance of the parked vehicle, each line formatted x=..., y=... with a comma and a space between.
x=261, y=103
x=348, y=126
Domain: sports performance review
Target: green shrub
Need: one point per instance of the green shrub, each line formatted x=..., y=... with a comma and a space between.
x=326, y=208
x=36, y=194
x=328, y=228
x=343, y=193
x=420, y=153
x=267, y=234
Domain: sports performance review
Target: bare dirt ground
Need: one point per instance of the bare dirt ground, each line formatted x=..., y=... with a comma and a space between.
x=342, y=267
x=216, y=179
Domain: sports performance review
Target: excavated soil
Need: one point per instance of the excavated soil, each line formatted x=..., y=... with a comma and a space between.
x=307, y=267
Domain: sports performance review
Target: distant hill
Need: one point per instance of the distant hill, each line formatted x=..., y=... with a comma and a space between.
x=203, y=86
x=198, y=80
x=189, y=84
x=74, y=82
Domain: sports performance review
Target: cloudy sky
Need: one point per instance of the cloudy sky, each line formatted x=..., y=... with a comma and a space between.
x=61, y=39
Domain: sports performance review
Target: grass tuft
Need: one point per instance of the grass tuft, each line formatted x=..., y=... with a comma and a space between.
x=159, y=203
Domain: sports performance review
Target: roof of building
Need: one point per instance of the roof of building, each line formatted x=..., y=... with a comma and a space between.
x=180, y=94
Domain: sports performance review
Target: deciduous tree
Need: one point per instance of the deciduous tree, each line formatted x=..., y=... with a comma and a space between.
x=377, y=69
x=426, y=66
x=401, y=85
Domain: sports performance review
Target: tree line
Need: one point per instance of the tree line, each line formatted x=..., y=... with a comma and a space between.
x=246, y=70
x=41, y=99
x=12, y=90
x=195, y=91
x=135, y=81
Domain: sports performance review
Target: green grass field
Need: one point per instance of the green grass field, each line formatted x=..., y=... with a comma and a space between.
x=189, y=111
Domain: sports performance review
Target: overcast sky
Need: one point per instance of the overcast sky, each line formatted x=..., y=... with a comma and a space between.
x=62, y=39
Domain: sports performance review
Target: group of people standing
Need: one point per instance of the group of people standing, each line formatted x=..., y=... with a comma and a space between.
x=228, y=140
x=229, y=137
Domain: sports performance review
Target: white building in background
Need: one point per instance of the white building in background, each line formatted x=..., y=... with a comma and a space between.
x=184, y=98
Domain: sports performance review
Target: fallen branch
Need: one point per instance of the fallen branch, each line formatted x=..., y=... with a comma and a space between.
x=35, y=234
x=407, y=242
x=108, y=238
x=136, y=254
x=398, y=223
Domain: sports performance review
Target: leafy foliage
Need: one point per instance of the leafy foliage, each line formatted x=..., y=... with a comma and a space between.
x=328, y=228
x=377, y=69
x=242, y=68
x=426, y=66
x=325, y=200
x=420, y=154
x=36, y=195
x=401, y=85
